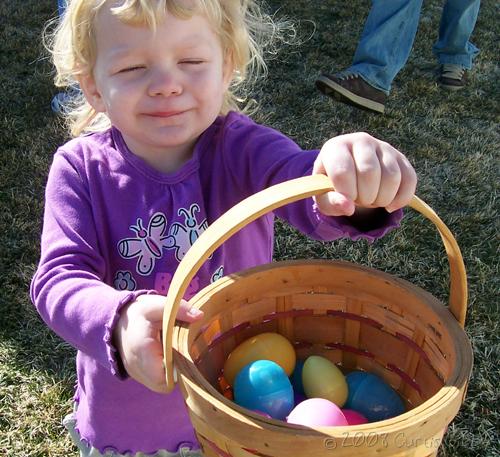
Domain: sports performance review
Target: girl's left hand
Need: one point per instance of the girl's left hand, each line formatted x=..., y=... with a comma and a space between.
x=137, y=338
x=365, y=172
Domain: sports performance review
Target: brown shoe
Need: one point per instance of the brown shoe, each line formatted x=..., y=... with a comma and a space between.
x=452, y=77
x=352, y=89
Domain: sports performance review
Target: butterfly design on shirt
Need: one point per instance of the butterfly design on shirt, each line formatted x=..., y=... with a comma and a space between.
x=147, y=245
x=182, y=236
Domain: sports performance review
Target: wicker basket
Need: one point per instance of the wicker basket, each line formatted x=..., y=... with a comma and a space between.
x=357, y=317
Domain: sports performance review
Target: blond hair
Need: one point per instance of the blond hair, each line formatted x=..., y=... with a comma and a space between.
x=244, y=31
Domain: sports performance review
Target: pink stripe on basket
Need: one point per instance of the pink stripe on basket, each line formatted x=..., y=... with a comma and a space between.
x=302, y=344
x=355, y=317
x=251, y=451
x=345, y=347
x=414, y=346
x=217, y=449
x=223, y=336
x=404, y=377
x=290, y=313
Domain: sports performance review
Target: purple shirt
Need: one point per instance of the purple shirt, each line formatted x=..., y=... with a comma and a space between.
x=115, y=228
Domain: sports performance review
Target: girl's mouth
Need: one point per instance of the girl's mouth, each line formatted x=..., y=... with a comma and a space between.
x=165, y=114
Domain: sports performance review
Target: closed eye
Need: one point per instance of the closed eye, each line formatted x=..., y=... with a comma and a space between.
x=192, y=62
x=132, y=68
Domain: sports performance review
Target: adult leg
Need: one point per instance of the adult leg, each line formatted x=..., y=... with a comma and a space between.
x=386, y=41
x=457, y=24
x=61, y=6
x=453, y=49
x=385, y=45
x=62, y=100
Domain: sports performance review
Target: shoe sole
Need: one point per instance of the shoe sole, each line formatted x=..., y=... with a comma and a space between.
x=450, y=87
x=331, y=88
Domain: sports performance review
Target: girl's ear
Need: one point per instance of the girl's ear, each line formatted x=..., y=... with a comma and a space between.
x=91, y=91
x=228, y=69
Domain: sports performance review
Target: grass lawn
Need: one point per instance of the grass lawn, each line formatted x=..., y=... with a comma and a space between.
x=451, y=138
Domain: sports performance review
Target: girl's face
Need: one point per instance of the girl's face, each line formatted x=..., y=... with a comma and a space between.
x=160, y=89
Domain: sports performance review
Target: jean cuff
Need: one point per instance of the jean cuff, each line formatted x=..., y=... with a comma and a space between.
x=463, y=61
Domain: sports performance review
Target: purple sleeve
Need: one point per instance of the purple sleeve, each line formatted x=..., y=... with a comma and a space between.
x=265, y=157
x=68, y=289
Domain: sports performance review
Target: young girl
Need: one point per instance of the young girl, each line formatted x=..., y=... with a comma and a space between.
x=163, y=156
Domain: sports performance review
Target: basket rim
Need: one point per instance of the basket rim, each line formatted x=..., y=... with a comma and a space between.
x=448, y=394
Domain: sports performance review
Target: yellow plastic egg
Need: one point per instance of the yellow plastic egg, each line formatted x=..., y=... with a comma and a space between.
x=266, y=346
x=322, y=379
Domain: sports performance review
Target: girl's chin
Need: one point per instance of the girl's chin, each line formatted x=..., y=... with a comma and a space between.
x=167, y=135
x=170, y=142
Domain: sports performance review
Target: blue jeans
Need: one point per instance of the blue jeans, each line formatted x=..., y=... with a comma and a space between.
x=390, y=30
x=61, y=6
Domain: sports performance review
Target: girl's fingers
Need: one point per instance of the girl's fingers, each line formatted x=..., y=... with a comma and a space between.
x=335, y=160
x=368, y=171
x=407, y=187
x=140, y=344
x=390, y=176
x=153, y=306
x=364, y=171
x=142, y=356
x=152, y=370
x=188, y=314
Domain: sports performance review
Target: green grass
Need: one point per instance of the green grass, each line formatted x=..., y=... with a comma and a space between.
x=452, y=140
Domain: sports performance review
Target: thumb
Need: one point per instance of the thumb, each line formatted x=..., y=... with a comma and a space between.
x=187, y=313
x=152, y=307
x=335, y=204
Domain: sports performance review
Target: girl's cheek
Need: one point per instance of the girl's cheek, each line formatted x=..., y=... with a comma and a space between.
x=195, y=77
x=209, y=75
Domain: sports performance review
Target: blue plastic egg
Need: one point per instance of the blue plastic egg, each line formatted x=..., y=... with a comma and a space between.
x=264, y=386
x=371, y=396
x=354, y=379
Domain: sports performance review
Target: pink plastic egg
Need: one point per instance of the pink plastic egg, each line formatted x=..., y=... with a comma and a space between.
x=317, y=412
x=354, y=418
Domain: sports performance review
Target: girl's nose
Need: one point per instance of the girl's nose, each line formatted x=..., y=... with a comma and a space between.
x=164, y=82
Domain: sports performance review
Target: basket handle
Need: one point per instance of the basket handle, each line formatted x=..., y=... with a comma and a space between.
x=261, y=203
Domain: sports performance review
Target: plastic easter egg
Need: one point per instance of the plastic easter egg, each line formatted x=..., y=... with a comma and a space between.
x=353, y=417
x=317, y=412
x=322, y=379
x=354, y=379
x=266, y=346
x=296, y=378
x=264, y=386
x=375, y=399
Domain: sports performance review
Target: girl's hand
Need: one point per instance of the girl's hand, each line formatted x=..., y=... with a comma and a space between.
x=365, y=172
x=137, y=338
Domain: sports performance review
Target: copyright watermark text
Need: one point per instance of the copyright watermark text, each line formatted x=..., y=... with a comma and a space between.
x=380, y=440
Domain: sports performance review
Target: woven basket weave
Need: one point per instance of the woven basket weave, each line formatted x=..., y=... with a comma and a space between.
x=357, y=317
